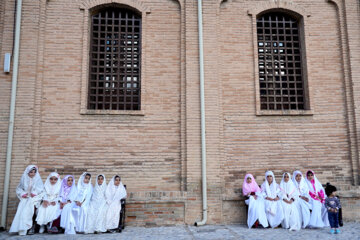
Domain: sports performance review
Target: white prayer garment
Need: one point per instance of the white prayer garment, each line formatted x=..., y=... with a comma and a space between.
x=255, y=202
x=97, y=208
x=289, y=193
x=29, y=191
x=318, y=216
x=84, y=192
x=50, y=209
x=273, y=208
x=303, y=203
x=67, y=197
x=114, y=194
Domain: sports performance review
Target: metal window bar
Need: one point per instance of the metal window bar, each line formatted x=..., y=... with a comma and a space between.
x=115, y=60
x=280, y=68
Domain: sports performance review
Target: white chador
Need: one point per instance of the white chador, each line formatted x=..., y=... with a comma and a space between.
x=303, y=206
x=114, y=194
x=51, y=194
x=67, y=195
x=29, y=191
x=273, y=209
x=289, y=193
x=97, y=208
x=318, y=216
x=255, y=202
x=84, y=192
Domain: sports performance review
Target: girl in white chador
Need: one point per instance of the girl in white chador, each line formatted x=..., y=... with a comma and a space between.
x=68, y=193
x=98, y=207
x=289, y=195
x=255, y=201
x=303, y=201
x=318, y=216
x=273, y=207
x=115, y=191
x=82, y=201
x=29, y=191
x=50, y=208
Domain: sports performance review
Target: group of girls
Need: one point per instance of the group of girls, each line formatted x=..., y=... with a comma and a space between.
x=61, y=204
x=295, y=203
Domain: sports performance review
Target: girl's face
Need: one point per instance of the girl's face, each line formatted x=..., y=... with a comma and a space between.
x=87, y=179
x=310, y=176
x=70, y=181
x=100, y=180
x=53, y=180
x=269, y=178
x=298, y=177
x=117, y=181
x=248, y=180
x=286, y=178
x=32, y=173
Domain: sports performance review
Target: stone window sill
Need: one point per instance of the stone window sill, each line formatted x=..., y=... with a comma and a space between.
x=113, y=112
x=284, y=113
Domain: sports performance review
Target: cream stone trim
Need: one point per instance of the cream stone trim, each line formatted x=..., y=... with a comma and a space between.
x=299, y=13
x=87, y=6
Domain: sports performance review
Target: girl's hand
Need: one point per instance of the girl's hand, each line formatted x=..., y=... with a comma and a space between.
x=53, y=203
x=255, y=197
x=276, y=199
x=62, y=205
x=45, y=204
x=32, y=195
x=24, y=195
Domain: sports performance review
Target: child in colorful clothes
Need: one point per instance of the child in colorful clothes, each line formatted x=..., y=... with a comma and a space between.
x=332, y=204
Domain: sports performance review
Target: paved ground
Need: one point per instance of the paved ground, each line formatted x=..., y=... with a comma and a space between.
x=350, y=231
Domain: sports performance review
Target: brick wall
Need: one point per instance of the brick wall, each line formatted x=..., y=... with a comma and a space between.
x=158, y=152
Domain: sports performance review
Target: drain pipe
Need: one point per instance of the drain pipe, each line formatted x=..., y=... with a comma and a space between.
x=202, y=112
x=12, y=114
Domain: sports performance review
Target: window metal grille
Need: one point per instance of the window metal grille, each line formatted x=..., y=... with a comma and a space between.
x=115, y=57
x=280, y=67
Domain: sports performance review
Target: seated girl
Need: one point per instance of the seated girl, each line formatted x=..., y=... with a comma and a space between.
x=50, y=207
x=273, y=208
x=289, y=198
x=318, y=216
x=29, y=191
x=115, y=191
x=303, y=203
x=98, y=207
x=82, y=201
x=255, y=201
x=68, y=193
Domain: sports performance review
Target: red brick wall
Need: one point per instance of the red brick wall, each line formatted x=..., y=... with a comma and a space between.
x=158, y=153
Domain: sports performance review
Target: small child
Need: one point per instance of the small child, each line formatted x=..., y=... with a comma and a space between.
x=332, y=204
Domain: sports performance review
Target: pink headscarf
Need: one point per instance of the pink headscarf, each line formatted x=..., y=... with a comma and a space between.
x=250, y=187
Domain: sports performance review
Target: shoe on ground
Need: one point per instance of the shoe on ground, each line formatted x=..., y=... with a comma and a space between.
x=42, y=229
x=337, y=231
x=332, y=231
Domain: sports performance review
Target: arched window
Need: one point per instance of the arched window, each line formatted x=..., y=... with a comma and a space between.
x=115, y=58
x=280, y=62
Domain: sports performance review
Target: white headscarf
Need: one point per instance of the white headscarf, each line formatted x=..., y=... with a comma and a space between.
x=83, y=188
x=115, y=193
x=99, y=190
x=35, y=182
x=302, y=186
x=271, y=189
x=53, y=189
x=288, y=188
